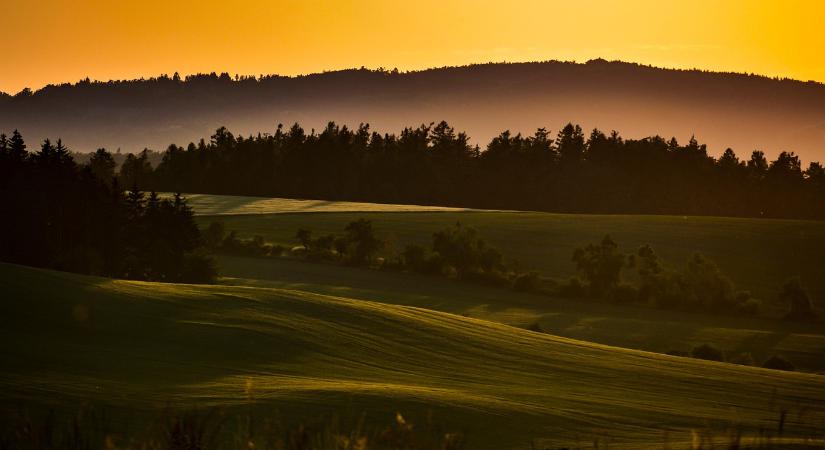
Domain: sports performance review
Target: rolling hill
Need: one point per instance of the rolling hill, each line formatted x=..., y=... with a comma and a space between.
x=757, y=254
x=745, y=112
x=142, y=346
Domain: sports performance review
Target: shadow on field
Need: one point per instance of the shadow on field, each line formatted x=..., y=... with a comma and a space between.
x=629, y=326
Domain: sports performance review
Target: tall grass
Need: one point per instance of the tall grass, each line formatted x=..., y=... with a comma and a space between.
x=89, y=428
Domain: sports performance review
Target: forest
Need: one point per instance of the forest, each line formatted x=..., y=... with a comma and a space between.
x=569, y=172
x=741, y=111
x=60, y=215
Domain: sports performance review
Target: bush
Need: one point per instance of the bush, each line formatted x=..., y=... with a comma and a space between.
x=322, y=248
x=624, y=293
x=278, y=250
x=361, y=243
x=707, y=352
x=199, y=268
x=705, y=287
x=414, y=257
x=573, y=288
x=800, y=307
x=527, y=282
x=743, y=359
x=214, y=235
x=777, y=362
x=749, y=307
x=462, y=248
x=489, y=277
x=601, y=265
x=678, y=353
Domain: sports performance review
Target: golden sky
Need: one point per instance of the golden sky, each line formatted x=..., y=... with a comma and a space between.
x=52, y=41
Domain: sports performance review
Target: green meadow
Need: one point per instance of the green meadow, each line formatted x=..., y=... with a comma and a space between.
x=296, y=340
x=626, y=326
x=145, y=346
x=209, y=204
x=757, y=254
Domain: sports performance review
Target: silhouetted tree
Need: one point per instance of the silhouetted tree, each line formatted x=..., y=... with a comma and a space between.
x=102, y=165
x=600, y=265
x=363, y=241
x=799, y=303
x=66, y=218
x=17, y=147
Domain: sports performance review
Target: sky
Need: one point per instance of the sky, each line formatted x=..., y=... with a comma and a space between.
x=54, y=41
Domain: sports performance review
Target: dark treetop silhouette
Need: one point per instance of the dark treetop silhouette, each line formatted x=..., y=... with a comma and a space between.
x=60, y=215
x=434, y=164
x=744, y=112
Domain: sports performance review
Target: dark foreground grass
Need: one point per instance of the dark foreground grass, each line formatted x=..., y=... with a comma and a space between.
x=140, y=348
x=93, y=428
x=213, y=429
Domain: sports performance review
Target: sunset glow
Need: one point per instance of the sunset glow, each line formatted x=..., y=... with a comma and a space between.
x=53, y=41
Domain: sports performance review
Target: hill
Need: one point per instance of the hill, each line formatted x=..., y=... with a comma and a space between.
x=757, y=254
x=140, y=345
x=722, y=109
x=619, y=325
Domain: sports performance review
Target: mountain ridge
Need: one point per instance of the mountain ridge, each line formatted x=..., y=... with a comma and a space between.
x=722, y=109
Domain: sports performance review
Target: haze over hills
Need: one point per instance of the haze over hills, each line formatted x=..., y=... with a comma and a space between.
x=745, y=112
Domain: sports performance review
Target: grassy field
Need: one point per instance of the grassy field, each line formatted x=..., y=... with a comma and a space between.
x=758, y=255
x=639, y=328
x=208, y=204
x=142, y=346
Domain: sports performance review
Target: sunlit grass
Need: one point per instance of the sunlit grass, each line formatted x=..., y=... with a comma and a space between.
x=149, y=345
x=208, y=204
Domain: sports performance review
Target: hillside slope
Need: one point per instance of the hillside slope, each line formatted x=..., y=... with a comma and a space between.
x=759, y=255
x=143, y=345
x=721, y=109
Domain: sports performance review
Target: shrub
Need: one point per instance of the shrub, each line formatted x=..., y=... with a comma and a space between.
x=199, y=268
x=527, y=282
x=749, y=306
x=362, y=244
x=418, y=259
x=573, y=288
x=231, y=243
x=778, y=363
x=247, y=247
x=800, y=307
x=214, y=235
x=257, y=246
x=600, y=265
x=278, y=250
x=462, y=248
x=489, y=277
x=322, y=248
x=304, y=236
x=707, y=352
x=653, y=279
x=705, y=286
x=743, y=359
x=677, y=353
x=624, y=293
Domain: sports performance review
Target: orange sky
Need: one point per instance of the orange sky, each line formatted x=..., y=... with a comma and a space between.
x=52, y=41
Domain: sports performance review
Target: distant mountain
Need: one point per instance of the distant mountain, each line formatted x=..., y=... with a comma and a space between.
x=745, y=112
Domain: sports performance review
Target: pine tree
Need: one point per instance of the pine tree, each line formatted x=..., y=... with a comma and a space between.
x=4, y=146
x=17, y=147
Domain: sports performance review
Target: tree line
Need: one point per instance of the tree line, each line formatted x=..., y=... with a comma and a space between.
x=62, y=215
x=436, y=165
x=460, y=252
